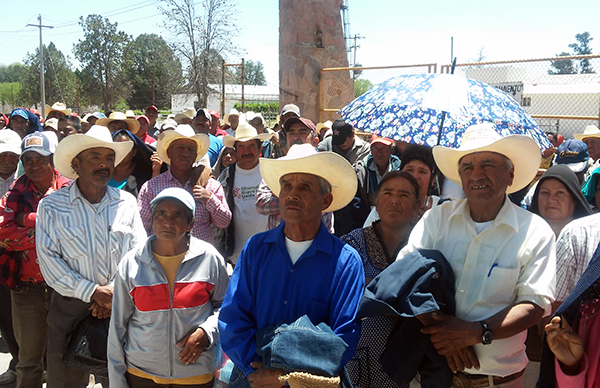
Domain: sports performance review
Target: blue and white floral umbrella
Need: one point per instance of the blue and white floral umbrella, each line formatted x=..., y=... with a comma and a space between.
x=411, y=108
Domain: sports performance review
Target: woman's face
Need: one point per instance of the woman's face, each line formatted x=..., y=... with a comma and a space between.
x=555, y=202
x=421, y=172
x=170, y=221
x=229, y=157
x=396, y=202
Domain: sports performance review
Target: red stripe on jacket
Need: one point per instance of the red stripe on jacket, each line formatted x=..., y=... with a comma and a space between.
x=157, y=297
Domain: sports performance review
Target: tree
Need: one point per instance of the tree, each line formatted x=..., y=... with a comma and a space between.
x=361, y=86
x=60, y=83
x=199, y=36
x=101, y=54
x=583, y=48
x=12, y=72
x=562, y=66
x=253, y=73
x=149, y=60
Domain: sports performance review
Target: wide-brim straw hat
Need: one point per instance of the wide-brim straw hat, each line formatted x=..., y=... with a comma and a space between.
x=188, y=113
x=523, y=152
x=327, y=124
x=589, y=131
x=96, y=137
x=307, y=380
x=304, y=159
x=183, y=131
x=59, y=107
x=245, y=132
x=232, y=112
x=132, y=124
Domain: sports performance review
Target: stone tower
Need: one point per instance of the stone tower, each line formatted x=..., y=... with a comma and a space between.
x=311, y=38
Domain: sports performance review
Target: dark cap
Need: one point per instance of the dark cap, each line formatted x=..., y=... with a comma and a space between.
x=203, y=113
x=341, y=131
x=574, y=154
x=302, y=120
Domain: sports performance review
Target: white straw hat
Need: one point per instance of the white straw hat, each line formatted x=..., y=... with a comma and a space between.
x=132, y=124
x=232, y=112
x=589, y=131
x=245, y=132
x=183, y=131
x=523, y=152
x=304, y=159
x=96, y=137
x=58, y=106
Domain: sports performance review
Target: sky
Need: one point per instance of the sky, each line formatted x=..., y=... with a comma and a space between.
x=396, y=32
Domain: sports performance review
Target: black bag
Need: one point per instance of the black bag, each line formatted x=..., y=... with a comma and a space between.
x=87, y=344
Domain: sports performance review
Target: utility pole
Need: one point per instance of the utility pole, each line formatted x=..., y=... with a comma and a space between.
x=42, y=91
x=355, y=46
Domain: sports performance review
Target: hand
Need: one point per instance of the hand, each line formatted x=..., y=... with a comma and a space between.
x=201, y=194
x=156, y=164
x=566, y=345
x=193, y=345
x=100, y=312
x=452, y=334
x=103, y=296
x=462, y=359
x=275, y=138
x=265, y=378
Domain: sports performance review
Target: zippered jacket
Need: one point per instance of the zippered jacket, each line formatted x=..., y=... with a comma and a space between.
x=147, y=322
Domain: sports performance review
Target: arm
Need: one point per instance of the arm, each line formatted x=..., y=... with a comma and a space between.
x=144, y=198
x=122, y=310
x=16, y=237
x=565, y=266
x=237, y=325
x=55, y=269
x=216, y=205
x=267, y=203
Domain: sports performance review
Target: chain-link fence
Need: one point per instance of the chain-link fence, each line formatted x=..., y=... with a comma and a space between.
x=562, y=94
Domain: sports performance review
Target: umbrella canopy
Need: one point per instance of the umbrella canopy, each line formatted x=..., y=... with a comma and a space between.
x=410, y=108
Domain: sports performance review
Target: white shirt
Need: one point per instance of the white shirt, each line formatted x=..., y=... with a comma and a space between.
x=575, y=246
x=246, y=220
x=79, y=245
x=512, y=260
x=296, y=248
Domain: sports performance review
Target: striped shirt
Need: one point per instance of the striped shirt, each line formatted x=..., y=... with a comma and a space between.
x=216, y=211
x=575, y=246
x=80, y=244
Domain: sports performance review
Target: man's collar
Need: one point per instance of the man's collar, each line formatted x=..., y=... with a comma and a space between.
x=74, y=193
x=321, y=242
x=507, y=214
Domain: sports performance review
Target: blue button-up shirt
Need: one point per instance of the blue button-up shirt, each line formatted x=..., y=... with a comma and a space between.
x=266, y=289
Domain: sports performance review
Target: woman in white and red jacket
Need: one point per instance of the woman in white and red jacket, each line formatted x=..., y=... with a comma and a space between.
x=167, y=296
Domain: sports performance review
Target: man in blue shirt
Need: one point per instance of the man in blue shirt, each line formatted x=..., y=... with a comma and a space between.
x=201, y=124
x=298, y=268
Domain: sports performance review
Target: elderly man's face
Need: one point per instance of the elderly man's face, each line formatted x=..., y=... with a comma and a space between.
x=300, y=199
x=234, y=120
x=94, y=166
x=38, y=168
x=55, y=114
x=117, y=125
x=381, y=153
x=182, y=153
x=8, y=163
x=201, y=124
x=19, y=125
x=593, y=144
x=170, y=220
x=299, y=133
x=247, y=154
x=485, y=177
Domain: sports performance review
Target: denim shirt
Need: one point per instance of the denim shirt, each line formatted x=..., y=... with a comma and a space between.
x=266, y=289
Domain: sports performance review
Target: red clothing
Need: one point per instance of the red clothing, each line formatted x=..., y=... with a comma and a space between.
x=148, y=139
x=220, y=133
x=23, y=197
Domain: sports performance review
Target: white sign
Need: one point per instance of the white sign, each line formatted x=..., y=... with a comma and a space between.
x=513, y=89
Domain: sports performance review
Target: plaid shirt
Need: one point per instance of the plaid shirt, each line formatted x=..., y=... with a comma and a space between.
x=575, y=246
x=215, y=212
x=267, y=204
x=24, y=197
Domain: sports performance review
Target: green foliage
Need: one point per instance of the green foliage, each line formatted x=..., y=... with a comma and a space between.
x=361, y=86
x=147, y=57
x=10, y=93
x=258, y=107
x=583, y=48
x=101, y=53
x=120, y=106
x=12, y=73
x=562, y=66
x=253, y=73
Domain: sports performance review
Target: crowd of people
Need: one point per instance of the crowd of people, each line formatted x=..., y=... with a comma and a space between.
x=226, y=252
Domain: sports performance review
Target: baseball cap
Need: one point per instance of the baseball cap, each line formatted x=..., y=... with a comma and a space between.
x=20, y=112
x=203, y=112
x=290, y=108
x=38, y=142
x=382, y=140
x=177, y=193
x=152, y=107
x=52, y=123
x=303, y=120
x=214, y=113
x=10, y=141
x=341, y=131
x=574, y=154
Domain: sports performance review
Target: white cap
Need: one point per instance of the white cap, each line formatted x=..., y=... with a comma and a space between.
x=10, y=141
x=179, y=194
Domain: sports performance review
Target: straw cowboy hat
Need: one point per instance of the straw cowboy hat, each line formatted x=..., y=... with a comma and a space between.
x=245, y=132
x=183, y=131
x=232, y=112
x=132, y=124
x=59, y=107
x=129, y=113
x=307, y=380
x=589, y=131
x=96, y=137
x=188, y=113
x=522, y=151
x=304, y=159
x=327, y=124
